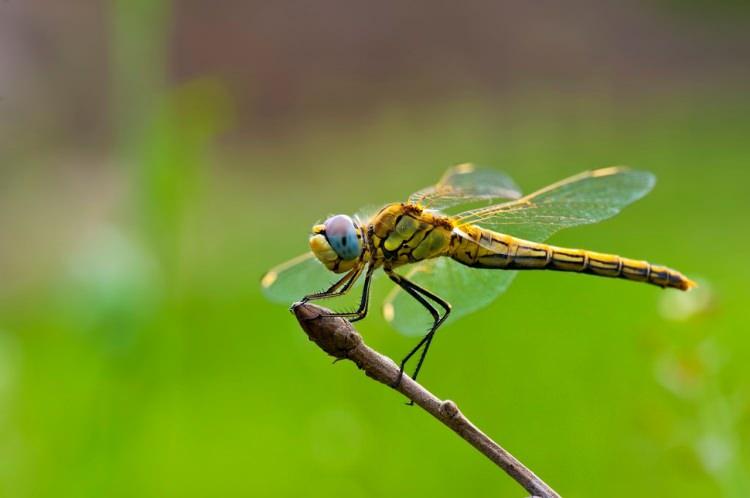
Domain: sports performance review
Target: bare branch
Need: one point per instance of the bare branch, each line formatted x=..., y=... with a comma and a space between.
x=338, y=338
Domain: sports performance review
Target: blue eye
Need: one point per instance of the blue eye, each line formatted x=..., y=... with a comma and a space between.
x=342, y=236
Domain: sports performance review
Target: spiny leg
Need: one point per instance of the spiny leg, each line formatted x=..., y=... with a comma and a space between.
x=418, y=293
x=361, y=311
x=431, y=334
x=347, y=281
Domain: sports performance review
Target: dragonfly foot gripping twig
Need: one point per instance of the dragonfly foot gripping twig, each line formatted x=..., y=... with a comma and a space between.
x=337, y=337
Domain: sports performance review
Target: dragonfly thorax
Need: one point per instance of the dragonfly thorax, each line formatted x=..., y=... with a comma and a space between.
x=337, y=243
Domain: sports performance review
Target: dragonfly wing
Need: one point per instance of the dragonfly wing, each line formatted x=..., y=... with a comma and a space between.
x=582, y=199
x=291, y=281
x=465, y=184
x=466, y=289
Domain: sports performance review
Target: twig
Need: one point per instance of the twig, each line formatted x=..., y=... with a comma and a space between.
x=338, y=338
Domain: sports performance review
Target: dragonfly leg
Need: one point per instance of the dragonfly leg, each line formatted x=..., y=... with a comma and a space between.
x=347, y=281
x=421, y=294
x=361, y=311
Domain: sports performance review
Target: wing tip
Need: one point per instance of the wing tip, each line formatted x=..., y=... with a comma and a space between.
x=648, y=177
x=268, y=279
x=389, y=312
x=464, y=168
x=609, y=171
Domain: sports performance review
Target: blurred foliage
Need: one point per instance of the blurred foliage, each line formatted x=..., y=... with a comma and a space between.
x=153, y=368
x=145, y=362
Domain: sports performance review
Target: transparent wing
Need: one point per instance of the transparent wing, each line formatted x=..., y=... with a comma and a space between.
x=466, y=289
x=586, y=198
x=582, y=199
x=290, y=281
x=466, y=184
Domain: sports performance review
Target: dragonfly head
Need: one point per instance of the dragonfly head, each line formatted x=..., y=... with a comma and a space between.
x=337, y=243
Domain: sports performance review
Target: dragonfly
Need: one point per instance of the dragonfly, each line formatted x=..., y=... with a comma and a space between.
x=440, y=246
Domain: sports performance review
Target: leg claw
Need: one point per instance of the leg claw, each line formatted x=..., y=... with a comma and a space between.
x=397, y=382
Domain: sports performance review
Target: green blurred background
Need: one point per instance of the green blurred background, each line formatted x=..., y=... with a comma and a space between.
x=157, y=157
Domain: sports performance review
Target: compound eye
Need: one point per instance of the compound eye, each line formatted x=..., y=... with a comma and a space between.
x=342, y=235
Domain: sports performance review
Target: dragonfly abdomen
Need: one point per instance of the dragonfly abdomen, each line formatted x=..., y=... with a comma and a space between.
x=611, y=265
x=481, y=248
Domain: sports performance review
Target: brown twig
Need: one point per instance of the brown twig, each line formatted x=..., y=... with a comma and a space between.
x=338, y=338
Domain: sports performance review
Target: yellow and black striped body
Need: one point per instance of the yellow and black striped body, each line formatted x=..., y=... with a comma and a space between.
x=481, y=248
x=404, y=233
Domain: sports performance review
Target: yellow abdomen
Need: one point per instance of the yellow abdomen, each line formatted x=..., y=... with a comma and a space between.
x=481, y=248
